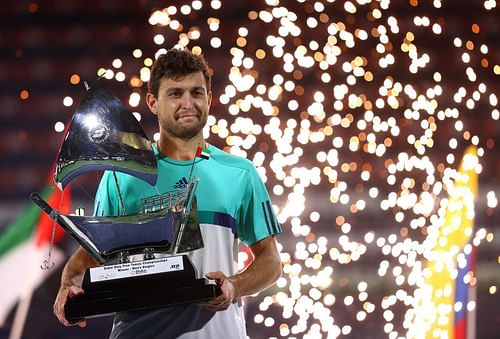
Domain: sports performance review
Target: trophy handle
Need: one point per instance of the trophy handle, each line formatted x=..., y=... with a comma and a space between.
x=66, y=224
x=44, y=206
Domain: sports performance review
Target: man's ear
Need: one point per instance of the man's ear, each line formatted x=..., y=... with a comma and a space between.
x=209, y=95
x=152, y=103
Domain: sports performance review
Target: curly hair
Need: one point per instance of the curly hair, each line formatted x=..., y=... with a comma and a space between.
x=174, y=64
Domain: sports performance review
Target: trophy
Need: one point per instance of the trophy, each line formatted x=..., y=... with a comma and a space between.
x=141, y=265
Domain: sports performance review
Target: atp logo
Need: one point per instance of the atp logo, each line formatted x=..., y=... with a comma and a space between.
x=99, y=134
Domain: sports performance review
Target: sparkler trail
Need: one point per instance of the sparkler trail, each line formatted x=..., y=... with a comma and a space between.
x=356, y=114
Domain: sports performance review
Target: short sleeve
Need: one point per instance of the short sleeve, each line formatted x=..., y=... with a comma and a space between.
x=104, y=203
x=257, y=217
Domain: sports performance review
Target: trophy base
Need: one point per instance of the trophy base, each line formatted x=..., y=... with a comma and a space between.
x=107, y=294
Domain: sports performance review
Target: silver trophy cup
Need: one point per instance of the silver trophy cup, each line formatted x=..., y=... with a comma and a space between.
x=140, y=254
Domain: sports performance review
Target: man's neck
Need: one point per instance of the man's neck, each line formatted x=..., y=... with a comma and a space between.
x=180, y=149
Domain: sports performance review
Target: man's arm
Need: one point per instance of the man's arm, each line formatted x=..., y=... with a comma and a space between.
x=71, y=283
x=264, y=270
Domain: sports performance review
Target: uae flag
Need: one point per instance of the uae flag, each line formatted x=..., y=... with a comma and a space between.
x=203, y=152
x=24, y=245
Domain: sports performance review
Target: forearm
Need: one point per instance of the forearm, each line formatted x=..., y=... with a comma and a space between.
x=74, y=269
x=261, y=273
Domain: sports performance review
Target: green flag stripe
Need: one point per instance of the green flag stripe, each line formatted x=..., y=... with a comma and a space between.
x=22, y=227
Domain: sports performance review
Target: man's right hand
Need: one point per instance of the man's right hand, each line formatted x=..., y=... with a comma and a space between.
x=62, y=297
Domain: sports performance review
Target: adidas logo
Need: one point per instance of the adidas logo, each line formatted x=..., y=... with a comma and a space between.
x=181, y=183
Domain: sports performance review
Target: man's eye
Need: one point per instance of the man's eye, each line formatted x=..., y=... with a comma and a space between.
x=175, y=94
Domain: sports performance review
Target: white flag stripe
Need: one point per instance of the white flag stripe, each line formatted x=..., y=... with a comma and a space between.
x=21, y=273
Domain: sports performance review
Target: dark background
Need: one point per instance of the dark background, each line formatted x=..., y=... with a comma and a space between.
x=43, y=43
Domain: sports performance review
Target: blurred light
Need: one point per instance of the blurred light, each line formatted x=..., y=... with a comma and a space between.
x=59, y=127
x=68, y=101
x=297, y=101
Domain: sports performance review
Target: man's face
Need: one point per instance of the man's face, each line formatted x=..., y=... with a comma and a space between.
x=182, y=105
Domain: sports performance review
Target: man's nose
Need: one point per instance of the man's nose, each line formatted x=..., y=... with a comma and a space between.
x=187, y=100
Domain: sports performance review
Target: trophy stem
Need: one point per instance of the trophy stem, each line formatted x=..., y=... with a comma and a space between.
x=185, y=215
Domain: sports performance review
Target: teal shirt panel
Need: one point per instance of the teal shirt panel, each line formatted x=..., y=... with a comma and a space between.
x=228, y=186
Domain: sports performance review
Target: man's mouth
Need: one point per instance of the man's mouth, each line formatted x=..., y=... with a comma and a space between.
x=187, y=115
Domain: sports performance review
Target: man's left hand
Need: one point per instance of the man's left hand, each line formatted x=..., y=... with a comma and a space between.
x=228, y=292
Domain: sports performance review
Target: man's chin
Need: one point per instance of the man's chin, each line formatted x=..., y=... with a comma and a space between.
x=187, y=132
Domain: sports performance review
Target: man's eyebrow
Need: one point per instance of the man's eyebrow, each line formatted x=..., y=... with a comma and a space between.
x=195, y=88
x=198, y=88
x=174, y=89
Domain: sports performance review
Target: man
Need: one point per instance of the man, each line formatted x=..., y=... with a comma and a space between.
x=233, y=205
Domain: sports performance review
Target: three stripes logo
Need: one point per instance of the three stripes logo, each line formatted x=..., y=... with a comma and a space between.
x=273, y=227
x=181, y=183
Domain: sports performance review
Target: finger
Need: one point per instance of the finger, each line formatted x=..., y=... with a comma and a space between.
x=209, y=308
x=212, y=304
x=62, y=317
x=212, y=308
x=221, y=299
x=215, y=275
x=59, y=307
x=218, y=307
x=79, y=322
x=217, y=304
x=206, y=305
